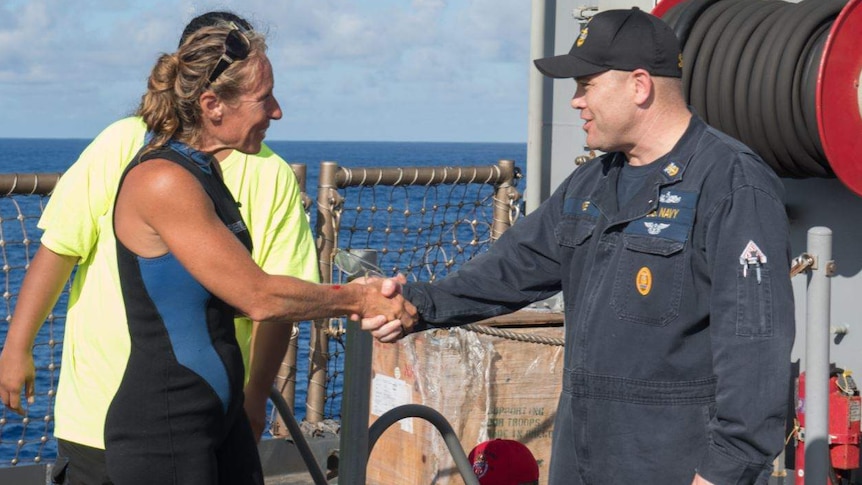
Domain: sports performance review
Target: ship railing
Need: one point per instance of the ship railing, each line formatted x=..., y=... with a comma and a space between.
x=422, y=222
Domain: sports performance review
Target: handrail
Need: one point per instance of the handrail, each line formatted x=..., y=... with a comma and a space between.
x=491, y=174
x=435, y=418
x=28, y=183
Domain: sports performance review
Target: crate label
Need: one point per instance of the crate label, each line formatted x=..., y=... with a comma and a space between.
x=387, y=393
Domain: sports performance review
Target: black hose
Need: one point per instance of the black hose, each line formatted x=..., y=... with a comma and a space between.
x=672, y=14
x=808, y=84
x=435, y=418
x=298, y=438
x=691, y=54
x=742, y=28
x=710, y=56
x=760, y=121
x=801, y=21
x=804, y=70
x=687, y=16
x=750, y=69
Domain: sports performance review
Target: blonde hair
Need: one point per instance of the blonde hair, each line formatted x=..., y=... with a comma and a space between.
x=171, y=107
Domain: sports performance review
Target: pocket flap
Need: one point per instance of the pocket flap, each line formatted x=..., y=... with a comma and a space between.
x=573, y=232
x=652, y=244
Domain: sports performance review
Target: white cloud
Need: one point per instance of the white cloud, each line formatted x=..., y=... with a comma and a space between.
x=357, y=59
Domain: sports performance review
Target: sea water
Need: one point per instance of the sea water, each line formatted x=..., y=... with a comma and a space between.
x=56, y=155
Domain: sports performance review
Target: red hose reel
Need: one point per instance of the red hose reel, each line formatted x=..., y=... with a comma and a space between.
x=838, y=96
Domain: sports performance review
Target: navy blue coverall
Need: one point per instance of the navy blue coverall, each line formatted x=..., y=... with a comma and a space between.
x=678, y=309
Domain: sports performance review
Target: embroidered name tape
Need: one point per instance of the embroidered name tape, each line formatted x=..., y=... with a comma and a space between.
x=672, y=219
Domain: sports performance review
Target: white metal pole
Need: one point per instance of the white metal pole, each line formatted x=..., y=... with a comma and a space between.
x=817, y=357
x=538, y=128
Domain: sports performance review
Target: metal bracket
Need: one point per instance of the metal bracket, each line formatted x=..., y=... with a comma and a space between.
x=805, y=261
x=802, y=263
x=831, y=268
x=582, y=159
x=584, y=12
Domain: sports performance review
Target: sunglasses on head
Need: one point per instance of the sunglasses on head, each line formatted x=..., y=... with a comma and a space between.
x=236, y=48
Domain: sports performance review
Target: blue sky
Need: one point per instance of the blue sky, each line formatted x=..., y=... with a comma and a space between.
x=421, y=70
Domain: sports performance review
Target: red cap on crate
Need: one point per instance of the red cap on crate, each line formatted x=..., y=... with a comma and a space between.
x=504, y=462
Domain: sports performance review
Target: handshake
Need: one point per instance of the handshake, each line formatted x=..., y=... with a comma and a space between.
x=386, y=313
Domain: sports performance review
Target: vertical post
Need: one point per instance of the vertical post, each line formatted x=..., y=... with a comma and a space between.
x=355, y=405
x=301, y=172
x=327, y=233
x=285, y=380
x=538, y=108
x=502, y=213
x=817, y=357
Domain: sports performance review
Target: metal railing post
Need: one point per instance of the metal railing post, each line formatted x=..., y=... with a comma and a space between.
x=355, y=401
x=285, y=380
x=502, y=199
x=817, y=357
x=326, y=237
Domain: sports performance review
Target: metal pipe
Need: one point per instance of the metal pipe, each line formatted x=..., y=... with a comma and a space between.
x=398, y=177
x=301, y=172
x=435, y=418
x=285, y=380
x=28, y=183
x=817, y=357
x=502, y=214
x=327, y=201
x=355, y=405
x=538, y=112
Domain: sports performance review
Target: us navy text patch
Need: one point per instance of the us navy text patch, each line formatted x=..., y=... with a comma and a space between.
x=672, y=219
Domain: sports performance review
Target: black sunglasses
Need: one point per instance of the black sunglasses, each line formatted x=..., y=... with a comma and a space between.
x=236, y=48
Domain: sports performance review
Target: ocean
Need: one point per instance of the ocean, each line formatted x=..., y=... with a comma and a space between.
x=56, y=155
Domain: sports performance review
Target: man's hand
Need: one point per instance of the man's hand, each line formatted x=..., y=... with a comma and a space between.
x=699, y=480
x=381, y=327
x=16, y=372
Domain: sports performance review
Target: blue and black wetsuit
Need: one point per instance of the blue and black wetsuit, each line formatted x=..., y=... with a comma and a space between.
x=178, y=415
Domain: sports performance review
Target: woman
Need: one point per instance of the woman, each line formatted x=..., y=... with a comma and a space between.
x=185, y=268
x=78, y=236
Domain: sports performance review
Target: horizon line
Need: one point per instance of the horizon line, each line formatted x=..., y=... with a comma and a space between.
x=286, y=141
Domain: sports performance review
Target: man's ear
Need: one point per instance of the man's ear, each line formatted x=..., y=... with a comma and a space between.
x=643, y=86
x=211, y=106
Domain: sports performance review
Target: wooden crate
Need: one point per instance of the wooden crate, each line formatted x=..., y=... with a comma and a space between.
x=486, y=387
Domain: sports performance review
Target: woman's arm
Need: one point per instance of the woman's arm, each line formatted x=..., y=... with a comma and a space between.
x=162, y=207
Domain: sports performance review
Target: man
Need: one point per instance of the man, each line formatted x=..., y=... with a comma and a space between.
x=78, y=230
x=672, y=253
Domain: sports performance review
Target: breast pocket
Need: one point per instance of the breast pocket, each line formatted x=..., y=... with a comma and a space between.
x=574, y=232
x=648, y=285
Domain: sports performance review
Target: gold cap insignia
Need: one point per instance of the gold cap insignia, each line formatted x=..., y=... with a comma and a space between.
x=583, y=36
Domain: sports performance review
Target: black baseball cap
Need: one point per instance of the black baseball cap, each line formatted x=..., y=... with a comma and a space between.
x=621, y=40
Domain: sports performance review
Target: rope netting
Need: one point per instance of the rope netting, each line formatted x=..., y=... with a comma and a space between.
x=30, y=435
x=420, y=222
